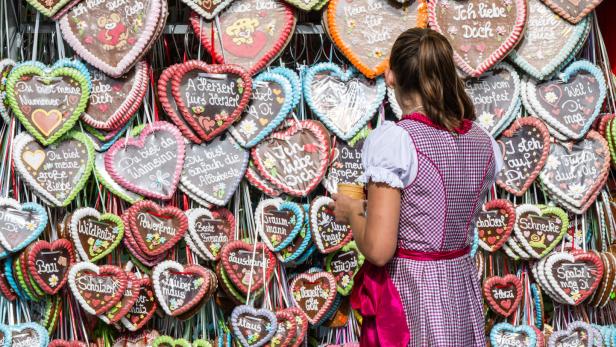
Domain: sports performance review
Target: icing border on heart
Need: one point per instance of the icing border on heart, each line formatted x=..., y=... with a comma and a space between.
x=148, y=206
x=44, y=245
x=529, y=97
x=139, y=142
x=4, y=108
x=315, y=205
x=499, y=204
x=40, y=330
x=496, y=329
x=500, y=53
x=344, y=76
x=572, y=258
x=540, y=212
x=119, y=310
x=591, y=4
x=493, y=281
x=266, y=256
x=280, y=205
x=84, y=212
x=238, y=310
x=144, y=284
x=107, y=181
x=29, y=206
x=195, y=269
x=111, y=270
x=194, y=214
x=313, y=277
x=345, y=290
x=570, y=328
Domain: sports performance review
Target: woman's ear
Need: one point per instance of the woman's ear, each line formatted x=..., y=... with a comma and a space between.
x=390, y=78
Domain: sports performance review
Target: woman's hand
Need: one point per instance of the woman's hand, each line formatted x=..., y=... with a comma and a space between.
x=344, y=207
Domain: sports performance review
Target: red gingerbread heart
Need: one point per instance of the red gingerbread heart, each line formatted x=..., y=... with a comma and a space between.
x=246, y=264
x=495, y=223
x=97, y=288
x=143, y=309
x=48, y=264
x=314, y=294
x=156, y=229
x=503, y=293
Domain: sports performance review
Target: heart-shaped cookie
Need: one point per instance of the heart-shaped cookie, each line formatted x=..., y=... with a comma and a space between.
x=213, y=170
x=249, y=33
x=364, y=31
x=314, y=294
x=574, y=277
x=168, y=341
x=129, y=298
x=113, y=101
x=49, y=263
x=151, y=164
x=343, y=100
x=103, y=177
x=346, y=165
x=481, y=32
x=57, y=172
x=286, y=330
x=47, y=101
x=253, y=327
x=106, y=34
x=143, y=309
x=503, y=293
x=156, y=229
x=278, y=222
x=505, y=334
x=578, y=334
x=525, y=147
x=27, y=335
x=248, y=266
x=569, y=102
x=210, y=97
x=179, y=288
x=95, y=234
x=97, y=288
x=494, y=224
x=20, y=224
x=6, y=65
x=539, y=230
x=143, y=338
x=573, y=11
x=294, y=159
x=270, y=103
x=327, y=235
x=344, y=265
x=548, y=41
x=496, y=97
x=207, y=9
x=211, y=230
x=256, y=180
x=575, y=172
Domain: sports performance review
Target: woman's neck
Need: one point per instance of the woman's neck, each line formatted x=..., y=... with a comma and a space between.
x=411, y=104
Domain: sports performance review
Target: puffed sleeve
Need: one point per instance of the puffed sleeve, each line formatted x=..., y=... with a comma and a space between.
x=389, y=157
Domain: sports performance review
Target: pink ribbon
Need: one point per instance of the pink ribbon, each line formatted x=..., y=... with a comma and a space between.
x=378, y=301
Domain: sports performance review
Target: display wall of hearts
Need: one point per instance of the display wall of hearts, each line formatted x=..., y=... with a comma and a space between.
x=167, y=189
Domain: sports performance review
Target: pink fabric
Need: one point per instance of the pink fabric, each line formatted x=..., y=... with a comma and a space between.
x=378, y=301
x=465, y=126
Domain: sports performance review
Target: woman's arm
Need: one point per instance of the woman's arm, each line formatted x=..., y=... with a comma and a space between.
x=377, y=235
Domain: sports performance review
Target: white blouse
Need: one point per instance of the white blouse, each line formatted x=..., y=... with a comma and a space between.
x=389, y=156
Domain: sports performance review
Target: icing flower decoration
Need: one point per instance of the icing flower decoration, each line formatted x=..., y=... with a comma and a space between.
x=551, y=97
x=500, y=30
x=552, y=163
x=453, y=30
x=197, y=283
x=53, y=280
x=577, y=189
x=248, y=127
x=576, y=295
x=486, y=119
x=377, y=53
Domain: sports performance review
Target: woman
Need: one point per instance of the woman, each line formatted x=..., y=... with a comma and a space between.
x=426, y=178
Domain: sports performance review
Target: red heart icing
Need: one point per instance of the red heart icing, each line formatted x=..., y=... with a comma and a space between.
x=156, y=229
x=571, y=10
x=196, y=84
x=495, y=223
x=286, y=331
x=97, y=288
x=143, y=309
x=295, y=159
x=301, y=326
x=503, y=293
x=180, y=288
x=314, y=294
x=243, y=268
x=129, y=298
x=526, y=144
x=250, y=38
x=5, y=289
x=64, y=343
x=575, y=275
x=49, y=263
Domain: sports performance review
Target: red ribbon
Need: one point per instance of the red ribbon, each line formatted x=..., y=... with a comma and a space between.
x=378, y=301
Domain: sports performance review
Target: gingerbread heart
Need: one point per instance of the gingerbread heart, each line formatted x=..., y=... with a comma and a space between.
x=539, y=230
x=57, y=172
x=286, y=330
x=210, y=97
x=108, y=37
x=143, y=338
x=207, y=9
x=248, y=266
x=525, y=147
x=49, y=263
x=97, y=288
x=276, y=158
x=278, y=222
x=103, y=177
x=156, y=229
x=494, y=224
x=48, y=101
x=503, y=293
x=496, y=97
x=27, y=335
x=213, y=170
x=574, y=277
x=256, y=180
x=505, y=334
x=20, y=224
x=270, y=103
x=578, y=333
x=364, y=31
x=548, y=42
x=327, y=234
x=122, y=307
x=346, y=166
x=179, y=288
x=575, y=172
x=481, y=32
x=6, y=65
x=252, y=327
x=114, y=101
x=569, y=102
x=168, y=341
x=210, y=230
x=151, y=164
x=344, y=264
x=95, y=234
x=573, y=11
x=250, y=33
x=143, y=309
x=314, y=294
x=343, y=100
